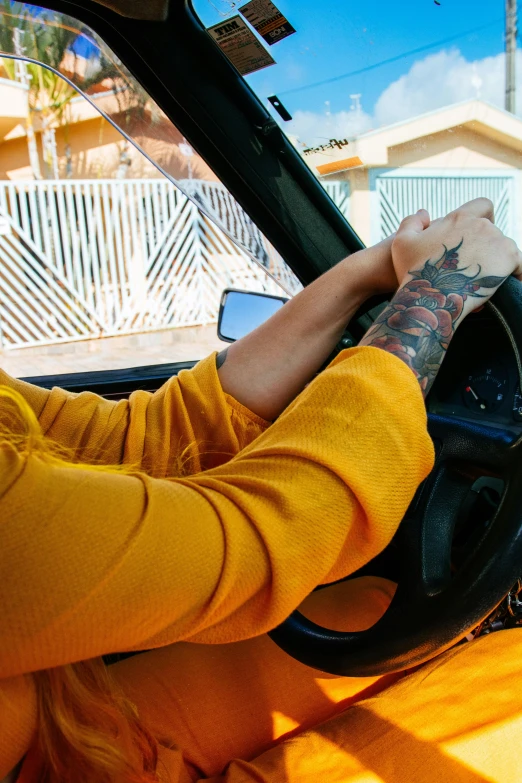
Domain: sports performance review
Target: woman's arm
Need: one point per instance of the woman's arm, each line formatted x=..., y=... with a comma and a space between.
x=446, y=269
x=452, y=264
x=95, y=562
x=186, y=426
x=267, y=368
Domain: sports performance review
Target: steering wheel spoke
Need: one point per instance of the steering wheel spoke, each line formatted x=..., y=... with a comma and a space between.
x=425, y=535
x=473, y=443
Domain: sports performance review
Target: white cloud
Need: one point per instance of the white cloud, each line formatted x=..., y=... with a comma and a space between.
x=311, y=128
x=437, y=80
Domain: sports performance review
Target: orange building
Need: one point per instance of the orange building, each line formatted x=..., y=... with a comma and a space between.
x=90, y=147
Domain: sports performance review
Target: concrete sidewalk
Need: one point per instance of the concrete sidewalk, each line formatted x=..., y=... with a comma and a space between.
x=110, y=353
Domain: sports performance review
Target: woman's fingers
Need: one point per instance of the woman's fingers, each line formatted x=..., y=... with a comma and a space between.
x=478, y=207
x=414, y=224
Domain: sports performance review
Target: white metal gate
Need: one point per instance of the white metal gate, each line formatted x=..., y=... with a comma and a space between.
x=83, y=259
x=339, y=192
x=398, y=196
x=91, y=258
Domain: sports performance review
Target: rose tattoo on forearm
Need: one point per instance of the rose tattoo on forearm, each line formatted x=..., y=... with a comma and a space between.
x=420, y=321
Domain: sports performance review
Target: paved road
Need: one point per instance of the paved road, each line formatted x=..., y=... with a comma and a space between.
x=110, y=353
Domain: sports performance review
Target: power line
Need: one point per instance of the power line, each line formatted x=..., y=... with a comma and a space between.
x=390, y=60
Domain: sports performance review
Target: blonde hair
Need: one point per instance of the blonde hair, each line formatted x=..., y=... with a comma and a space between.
x=88, y=731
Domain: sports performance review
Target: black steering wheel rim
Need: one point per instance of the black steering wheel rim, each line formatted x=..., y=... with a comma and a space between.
x=431, y=610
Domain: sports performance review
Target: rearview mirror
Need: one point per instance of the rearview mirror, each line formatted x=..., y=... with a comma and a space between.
x=240, y=312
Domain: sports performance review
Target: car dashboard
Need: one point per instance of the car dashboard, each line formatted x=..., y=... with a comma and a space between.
x=479, y=378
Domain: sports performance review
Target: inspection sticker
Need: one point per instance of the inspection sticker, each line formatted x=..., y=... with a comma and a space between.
x=240, y=45
x=267, y=20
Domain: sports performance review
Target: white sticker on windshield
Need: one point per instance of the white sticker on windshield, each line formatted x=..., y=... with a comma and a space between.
x=240, y=45
x=267, y=20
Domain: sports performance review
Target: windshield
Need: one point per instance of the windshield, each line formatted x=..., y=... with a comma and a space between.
x=405, y=105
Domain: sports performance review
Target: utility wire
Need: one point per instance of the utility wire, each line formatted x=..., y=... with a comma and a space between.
x=390, y=59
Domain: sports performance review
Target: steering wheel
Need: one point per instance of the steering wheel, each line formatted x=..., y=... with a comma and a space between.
x=431, y=609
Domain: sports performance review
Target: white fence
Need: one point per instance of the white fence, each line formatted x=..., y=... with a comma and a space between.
x=400, y=194
x=82, y=259
x=91, y=258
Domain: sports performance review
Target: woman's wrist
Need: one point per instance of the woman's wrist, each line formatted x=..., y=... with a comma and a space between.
x=421, y=319
x=370, y=271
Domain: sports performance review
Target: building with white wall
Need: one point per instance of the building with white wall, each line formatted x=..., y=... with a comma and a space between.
x=436, y=160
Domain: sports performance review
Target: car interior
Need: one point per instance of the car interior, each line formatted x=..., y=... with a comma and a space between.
x=457, y=556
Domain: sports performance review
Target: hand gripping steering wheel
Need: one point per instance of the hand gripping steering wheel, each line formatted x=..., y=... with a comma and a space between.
x=432, y=610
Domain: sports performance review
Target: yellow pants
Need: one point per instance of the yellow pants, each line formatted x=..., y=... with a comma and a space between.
x=248, y=712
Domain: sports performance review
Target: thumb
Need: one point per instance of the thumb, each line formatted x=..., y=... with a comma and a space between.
x=414, y=223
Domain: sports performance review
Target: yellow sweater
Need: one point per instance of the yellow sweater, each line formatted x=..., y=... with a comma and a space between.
x=94, y=563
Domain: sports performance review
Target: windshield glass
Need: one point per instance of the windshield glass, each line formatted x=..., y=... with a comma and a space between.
x=405, y=105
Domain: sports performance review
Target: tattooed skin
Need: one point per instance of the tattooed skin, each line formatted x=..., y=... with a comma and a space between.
x=221, y=358
x=420, y=321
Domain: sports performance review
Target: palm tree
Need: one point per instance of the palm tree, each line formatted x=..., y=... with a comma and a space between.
x=41, y=36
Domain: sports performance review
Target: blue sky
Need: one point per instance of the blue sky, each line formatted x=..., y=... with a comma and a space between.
x=441, y=54
x=337, y=36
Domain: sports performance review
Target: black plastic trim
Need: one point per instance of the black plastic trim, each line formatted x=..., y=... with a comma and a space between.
x=113, y=382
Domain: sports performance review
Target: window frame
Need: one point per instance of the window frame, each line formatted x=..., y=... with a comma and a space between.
x=113, y=383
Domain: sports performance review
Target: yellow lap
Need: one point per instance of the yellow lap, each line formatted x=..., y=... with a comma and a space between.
x=247, y=712
x=457, y=719
x=219, y=702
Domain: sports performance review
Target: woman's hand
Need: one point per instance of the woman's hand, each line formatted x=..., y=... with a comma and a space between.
x=381, y=268
x=447, y=269
x=465, y=242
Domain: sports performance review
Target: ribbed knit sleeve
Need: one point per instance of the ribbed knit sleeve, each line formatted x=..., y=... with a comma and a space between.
x=97, y=562
x=186, y=426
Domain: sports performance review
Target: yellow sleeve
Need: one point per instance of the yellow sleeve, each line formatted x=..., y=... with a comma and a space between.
x=187, y=425
x=95, y=562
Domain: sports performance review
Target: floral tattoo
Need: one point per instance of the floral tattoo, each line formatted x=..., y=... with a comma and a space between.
x=421, y=319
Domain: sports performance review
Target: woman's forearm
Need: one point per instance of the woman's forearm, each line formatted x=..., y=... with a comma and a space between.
x=468, y=258
x=267, y=368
